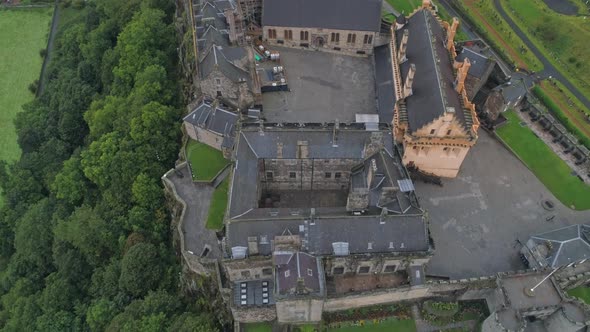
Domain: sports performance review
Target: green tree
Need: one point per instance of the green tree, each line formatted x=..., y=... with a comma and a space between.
x=100, y=314
x=88, y=232
x=140, y=269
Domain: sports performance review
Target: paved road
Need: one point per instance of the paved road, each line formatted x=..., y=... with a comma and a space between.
x=49, y=49
x=549, y=70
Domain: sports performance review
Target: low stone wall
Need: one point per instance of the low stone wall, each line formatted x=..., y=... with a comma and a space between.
x=375, y=298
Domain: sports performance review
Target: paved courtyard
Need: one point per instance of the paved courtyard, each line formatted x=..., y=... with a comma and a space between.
x=476, y=218
x=324, y=87
x=198, y=198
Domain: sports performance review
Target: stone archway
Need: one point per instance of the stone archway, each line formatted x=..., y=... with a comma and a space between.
x=319, y=42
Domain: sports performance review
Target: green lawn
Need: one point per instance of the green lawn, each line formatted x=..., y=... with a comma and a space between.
x=582, y=292
x=545, y=164
x=205, y=161
x=563, y=39
x=258, y=327
x=405, y=325
x=405, y=6
x=498, y=33
x=23, y=33
x=218, y=206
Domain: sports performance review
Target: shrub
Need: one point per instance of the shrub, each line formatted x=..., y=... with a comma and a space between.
x=43, y=52
x=34, y=86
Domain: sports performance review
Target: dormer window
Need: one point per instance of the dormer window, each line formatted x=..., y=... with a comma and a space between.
x=287, y=274
x=310, y=272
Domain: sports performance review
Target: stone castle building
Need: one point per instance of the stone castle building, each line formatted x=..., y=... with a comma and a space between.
x=343, y=26
x=433, y=118
x=318, y=211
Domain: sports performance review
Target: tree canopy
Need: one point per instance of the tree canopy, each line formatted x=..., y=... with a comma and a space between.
x=86, y=242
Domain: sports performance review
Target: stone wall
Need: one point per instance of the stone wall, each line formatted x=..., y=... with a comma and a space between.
x=321, y=39
x=309, y=174
x=204, y=136
x=376, y=298
x=299, y=310
x=235, y=94
x=254, y=315
x=248, y=269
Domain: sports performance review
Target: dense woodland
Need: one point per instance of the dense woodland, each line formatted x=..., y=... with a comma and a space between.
x=85, y=234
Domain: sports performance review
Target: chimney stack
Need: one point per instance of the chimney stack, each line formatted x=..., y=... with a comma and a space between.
x=452, y=30
x=302, y=150
x=403, y=47
x=279, y=150
x=461, y=75
x=409, y=80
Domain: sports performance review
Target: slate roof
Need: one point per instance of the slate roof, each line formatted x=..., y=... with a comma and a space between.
x=361, y=15
x=384, y=83
x=562, y=246
x=479, y=62
x=215, y=59
x=395, y=234
x=214, y=119
x=402, y=230
x=253, y=146
x=433, y=89
x=300, y=266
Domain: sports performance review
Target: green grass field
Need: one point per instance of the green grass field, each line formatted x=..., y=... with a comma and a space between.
x=23, y=33
x=497, y=32
x=205, y=161
x=545, y=164
x=218, y=206
x=258, y=327
x=405, y=325
x=563, y=39
x=582, y=292
x=405, y=6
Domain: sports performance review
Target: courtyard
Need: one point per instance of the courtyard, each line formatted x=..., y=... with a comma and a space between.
x=476, y=218
x=324, y=87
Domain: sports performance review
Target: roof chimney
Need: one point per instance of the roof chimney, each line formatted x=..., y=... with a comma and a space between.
x=461, y=75
x=279, y=150
x=451, y=31
x=409, y=80
x=253, y=245
x=302, y=150
x=403, y=46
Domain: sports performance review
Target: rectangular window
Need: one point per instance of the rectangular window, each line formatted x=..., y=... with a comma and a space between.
x=364, y=269
x=287, y=274
x=354, y=38
x=335, y=37
x=337, y=175
x=370, y=39
x=272, y=34
x=389, y=268
x=432, y=131
x=310, y=272
x=366, y=39
x=218, y=93
x=269, y=176
x=338, y=270
x=349, y=39
x=218, y=81
x=304, y=35
x=267, y=271
x=449, y=132
x=328, y=175
x=292, y=175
